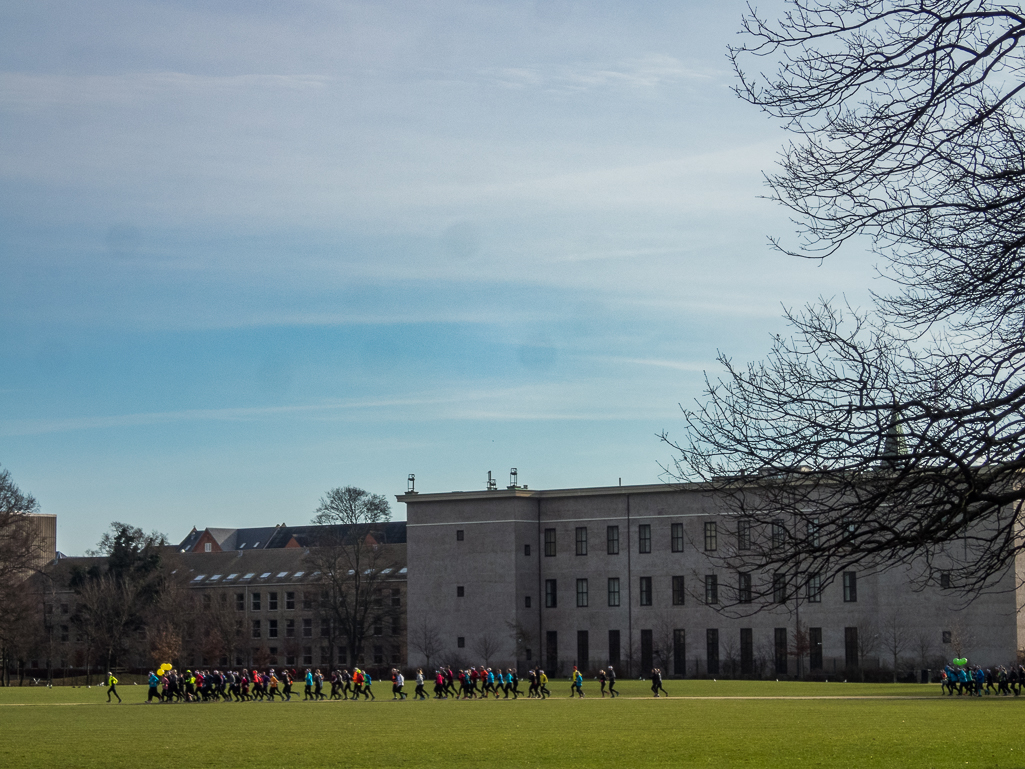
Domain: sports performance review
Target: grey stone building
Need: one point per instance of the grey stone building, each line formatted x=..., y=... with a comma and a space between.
x=629, y=576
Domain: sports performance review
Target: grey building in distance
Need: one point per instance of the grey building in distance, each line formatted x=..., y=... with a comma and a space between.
x=629, y=576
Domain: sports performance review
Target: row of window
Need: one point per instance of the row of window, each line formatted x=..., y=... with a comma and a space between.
x=711, y=584
x=256, y=628
x=308, y=602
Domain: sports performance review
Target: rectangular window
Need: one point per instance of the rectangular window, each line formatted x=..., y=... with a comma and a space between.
x=711, y=535
x=325, y=628
x=461, y=642
x=744, y=587
x=813, y=532
x=272, y=601
x=526, y=602
x=254, y=601
x=583, y=650
x=678, y=593
x=289, y=600
x=526, y=549
x=552, y=649
x=644, y=538
x=256, y=628
x=551, y=594
x=779, y=533
x=814, y=589
x=613, y=591
x=272, y=628
x=307, y=601
x=779, y=588
x=743, y=534
x=289, y=628
x=378, y=630
x=850, y=587
x=679, y=652
x=780, y=638
x=947, y=636
x=944, y=579
x=815, y=648
x=712, y=652
x=613, y=647
x=677, y=538
x=550, y=542
x=850, y=644
x=459, y=535
x=343, y=655
x=647, y=651
x=612, y=539
x=711, y=589
x=307, y=628
x=307, y=655
x=747, y=651
x=645, y=591
x=460, y=591
x=581, y=593
x=581, y=540
x=396, y=597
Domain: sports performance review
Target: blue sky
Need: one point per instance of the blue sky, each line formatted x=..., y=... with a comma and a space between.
x=253, y=251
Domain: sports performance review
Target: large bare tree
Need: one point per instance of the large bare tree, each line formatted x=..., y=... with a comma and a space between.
x=891, y=436
x=18, y=553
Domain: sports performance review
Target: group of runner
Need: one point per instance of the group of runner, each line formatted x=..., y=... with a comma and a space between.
x=974, y=681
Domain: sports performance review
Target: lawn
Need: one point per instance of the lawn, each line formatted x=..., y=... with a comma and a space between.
x=703, y=723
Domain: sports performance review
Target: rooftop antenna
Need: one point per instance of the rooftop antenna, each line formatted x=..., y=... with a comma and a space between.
x=513, y=478
x=411, y=484
x=492, y=483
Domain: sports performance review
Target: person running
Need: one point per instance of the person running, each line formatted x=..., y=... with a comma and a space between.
x=400, y=681
x=514, y=683
x=602, y=681
x=367, y=692
x=112, y=687
x=656, y=682
x=612, y=682
x=542, y=685
x=309, y=685
x=154, y=682
x=420, y=694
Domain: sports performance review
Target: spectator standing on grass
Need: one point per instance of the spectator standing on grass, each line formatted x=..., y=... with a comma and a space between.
x=112, y=686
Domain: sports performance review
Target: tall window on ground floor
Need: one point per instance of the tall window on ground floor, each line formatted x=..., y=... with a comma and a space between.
x=583, y=650
x=815, y=648
x=850, y=646
x=747, y=651
x=781, y=650
x=552, y=651
x=679, y=652
x=712, y=651
x=614, y=647
x=647, y=652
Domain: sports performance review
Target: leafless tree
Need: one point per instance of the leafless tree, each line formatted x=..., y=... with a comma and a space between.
x=800, y=645
x=896, y=637
x=962, y=636
x=730, y=655
x=19, y=551
x=486, y=646
x=662, y=640
x=877, y=438
x=869, y=639
x=425, y=637
x=523, y=638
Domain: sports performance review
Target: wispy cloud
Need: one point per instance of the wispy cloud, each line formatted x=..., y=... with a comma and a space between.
x=640, y=74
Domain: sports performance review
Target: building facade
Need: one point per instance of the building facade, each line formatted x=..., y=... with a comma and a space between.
x=630, y=576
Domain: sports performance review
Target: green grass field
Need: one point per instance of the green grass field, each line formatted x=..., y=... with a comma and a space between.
x=703, y=723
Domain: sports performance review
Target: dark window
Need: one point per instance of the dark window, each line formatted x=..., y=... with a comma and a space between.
x=290, y=600
x=526, y=602
x=850, y=587
x=551, y=594
x=583, y=650
x=272, y=601
x=647, y=652
x=613, y=647
x=552, y=650
x=459, y=535
x=325, y=628
x=946, y=636
x=779, y=588
x=396, y=597
x=307, y=655
x=460, y=591
x=645, y=592
x=814, y=589
x=679, y=652
x=743, y=534
x=254, y=601
x=272, y=628
x=581, y=540
x=644, y=538
x=678, y=593
x=307, y=628
x=256, y=628
x=815, y=647
x=581, y=593
x=779, y=533
x=343, y=655
x=526, y=549
x=378, y=655
x=207, y=600
x=944, y=579
x=813, y=532
x=743, y=587
x=781, y=650
x=289, y=628
x=613, y=591
x=850, y=646
x=711, y=535
x=612, y=539
x=461, y=642
x=712, y=651
x=747, y=651
x=550, y=542
x=65, y=634
x=677, y=538
x=307, y=601
x=378, y=630
x=711, y=589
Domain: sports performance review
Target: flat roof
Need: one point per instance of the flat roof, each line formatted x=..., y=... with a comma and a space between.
x=525, y=493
